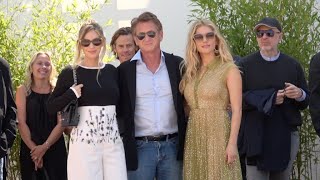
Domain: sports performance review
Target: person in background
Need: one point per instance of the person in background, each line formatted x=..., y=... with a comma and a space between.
x=211, y=82
x=42, y=143
x=122, y=45
x=7, y=116
x=314, y=86
x=274, y=92
x=236, y=60
x=151, y=106
x=95, y=149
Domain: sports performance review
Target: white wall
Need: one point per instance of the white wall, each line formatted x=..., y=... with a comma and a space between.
x=173, y=15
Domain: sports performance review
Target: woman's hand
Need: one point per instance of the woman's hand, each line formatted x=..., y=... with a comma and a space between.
x=231, y=153
x=38, y=152
x=78, y=89
x=38, y=164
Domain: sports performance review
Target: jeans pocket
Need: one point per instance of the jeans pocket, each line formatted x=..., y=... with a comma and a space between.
x=173, y=141
x=140, y=143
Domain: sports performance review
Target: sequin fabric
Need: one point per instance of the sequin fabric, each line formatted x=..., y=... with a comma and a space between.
x=209, y=126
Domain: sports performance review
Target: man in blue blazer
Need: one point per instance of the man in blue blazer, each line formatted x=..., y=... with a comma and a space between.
x=151, y=115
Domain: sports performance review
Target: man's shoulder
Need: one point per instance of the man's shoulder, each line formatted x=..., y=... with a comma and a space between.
x=170, y=57
x=288, y=59
x=125, y=64
x=249, y=58
x=316, y=57
x=4, y=64
x=127, y=67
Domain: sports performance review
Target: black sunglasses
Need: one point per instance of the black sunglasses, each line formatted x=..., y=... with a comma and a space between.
x=86, y=42
x=142, y=35
x=269, y=33
x=200, y=37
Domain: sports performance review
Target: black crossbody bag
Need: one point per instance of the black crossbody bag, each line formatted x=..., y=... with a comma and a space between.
x=69, y=114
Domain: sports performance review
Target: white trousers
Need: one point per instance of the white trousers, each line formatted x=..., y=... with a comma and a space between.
x=96, y=149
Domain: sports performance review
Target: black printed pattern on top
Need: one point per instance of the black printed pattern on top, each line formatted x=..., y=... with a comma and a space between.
x=96, y=127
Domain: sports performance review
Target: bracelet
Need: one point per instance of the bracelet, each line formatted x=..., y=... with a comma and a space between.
x=47, y=144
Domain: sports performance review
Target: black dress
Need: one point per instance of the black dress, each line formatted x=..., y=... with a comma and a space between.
x=41, y=124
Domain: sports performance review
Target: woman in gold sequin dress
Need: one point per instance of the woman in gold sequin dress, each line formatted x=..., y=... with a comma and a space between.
x=211, y=82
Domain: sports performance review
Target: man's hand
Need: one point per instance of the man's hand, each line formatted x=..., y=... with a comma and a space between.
x=280, y=96
x=292, y=91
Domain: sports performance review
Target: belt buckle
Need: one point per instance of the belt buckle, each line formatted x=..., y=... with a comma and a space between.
x=145, y=138
x=156, y=138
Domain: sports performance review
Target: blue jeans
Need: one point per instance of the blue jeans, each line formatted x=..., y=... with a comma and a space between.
x=157, y=159
x=1, y=168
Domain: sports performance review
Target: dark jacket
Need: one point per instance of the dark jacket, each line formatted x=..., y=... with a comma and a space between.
x=262, y=100
x=314, y=85
x=7, y=110
x=126, y=108
x=265, y=130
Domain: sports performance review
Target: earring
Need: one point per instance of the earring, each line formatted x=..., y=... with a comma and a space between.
x=81, y=55
x=216, y=51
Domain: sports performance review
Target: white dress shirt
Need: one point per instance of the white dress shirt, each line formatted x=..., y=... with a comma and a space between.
x=154, y=109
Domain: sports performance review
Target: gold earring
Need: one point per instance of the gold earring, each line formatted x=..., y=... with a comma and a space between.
x=216, y=51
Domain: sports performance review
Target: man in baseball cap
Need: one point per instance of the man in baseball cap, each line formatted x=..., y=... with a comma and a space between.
x=269, y=22
x=270, y=141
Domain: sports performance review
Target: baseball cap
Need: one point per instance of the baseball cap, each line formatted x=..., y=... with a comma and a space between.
x=269, y=22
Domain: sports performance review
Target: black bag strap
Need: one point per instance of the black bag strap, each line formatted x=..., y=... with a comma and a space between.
x=75, y=80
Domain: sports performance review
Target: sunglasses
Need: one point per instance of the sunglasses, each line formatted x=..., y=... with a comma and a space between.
x=200, y=37
x=86, y=42
x=269, y=33
x=142, y=35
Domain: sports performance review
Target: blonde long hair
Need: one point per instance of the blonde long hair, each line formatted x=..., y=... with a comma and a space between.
x=192, y=62
x=29, y=81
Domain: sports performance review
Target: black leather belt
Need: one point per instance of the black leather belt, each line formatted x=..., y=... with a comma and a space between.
x=157, y=138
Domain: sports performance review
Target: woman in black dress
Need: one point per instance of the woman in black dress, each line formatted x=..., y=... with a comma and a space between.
x=42, y=145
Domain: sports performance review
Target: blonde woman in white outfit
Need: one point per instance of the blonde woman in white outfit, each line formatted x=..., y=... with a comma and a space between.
x=96, y=149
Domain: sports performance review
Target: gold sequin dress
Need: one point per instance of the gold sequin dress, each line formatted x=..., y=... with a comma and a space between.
x=209, y=126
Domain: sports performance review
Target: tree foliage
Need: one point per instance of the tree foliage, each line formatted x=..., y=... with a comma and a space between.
x=300, y=20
